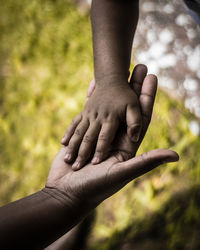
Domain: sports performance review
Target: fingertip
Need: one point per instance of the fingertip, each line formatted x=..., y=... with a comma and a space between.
x=176, y=156
x=172, y=157
x=139, y=73
x=76, y=166
x=142, y=67
x=68, y=157
x=153, y=78
x=95, y=160
x=64, y=141
x=164, y=155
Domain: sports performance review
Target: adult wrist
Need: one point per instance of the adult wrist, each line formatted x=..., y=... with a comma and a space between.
x=66, y=201
x=70, y=203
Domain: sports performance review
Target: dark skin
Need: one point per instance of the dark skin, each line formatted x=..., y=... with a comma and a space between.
x=136, y=82
x=38, y=220
x=123, y=145
x=113, y=101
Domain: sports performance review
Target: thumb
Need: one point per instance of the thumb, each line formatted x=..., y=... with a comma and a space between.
x=125, y=172
x=134, y=123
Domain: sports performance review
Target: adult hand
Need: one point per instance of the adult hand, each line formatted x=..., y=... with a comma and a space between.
x=92, y=184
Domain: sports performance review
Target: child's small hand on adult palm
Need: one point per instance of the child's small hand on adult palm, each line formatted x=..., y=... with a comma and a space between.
x=95, y=128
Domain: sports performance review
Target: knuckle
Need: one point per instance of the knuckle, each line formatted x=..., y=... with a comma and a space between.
x=103, y=137
x=110, y=118
x=93, y=116
x=87, y=139
x=97, y=123
x=78, y=131
x=99, y=152
x=144, y=157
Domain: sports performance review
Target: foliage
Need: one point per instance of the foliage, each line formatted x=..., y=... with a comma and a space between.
x=46, y=65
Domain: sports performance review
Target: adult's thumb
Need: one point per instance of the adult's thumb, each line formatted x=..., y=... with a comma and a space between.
x=137, y=166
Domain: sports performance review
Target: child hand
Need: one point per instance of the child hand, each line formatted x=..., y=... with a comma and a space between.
x=95, y=127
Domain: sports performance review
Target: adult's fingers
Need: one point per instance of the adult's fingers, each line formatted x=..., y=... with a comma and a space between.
x=75, y=140
x=126, y=171
x=134, y=122
x=105, y=139
x=70, y=129
x=147, y=98
x=87, y=145
x=137, y=78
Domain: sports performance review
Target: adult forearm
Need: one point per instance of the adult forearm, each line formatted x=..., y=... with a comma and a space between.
x=36, y=221
x=113, y=27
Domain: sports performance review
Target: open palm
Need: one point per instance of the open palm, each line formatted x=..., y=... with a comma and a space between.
x=94, y=183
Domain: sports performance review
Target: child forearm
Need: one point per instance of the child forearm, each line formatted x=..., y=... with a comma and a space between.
x=113, y=27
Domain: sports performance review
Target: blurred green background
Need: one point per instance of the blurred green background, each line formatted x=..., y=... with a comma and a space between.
x=46, y=65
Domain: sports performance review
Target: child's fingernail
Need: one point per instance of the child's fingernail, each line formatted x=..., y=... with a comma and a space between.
x=136, y=131
x=95, y=160
x=76, y=165
x=63, y=140
x=68, y=157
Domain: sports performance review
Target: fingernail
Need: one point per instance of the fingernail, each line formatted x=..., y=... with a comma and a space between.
x=63, y=140
x=136, y=131
x=68, y=157
x=76, y=165
x=95, y=160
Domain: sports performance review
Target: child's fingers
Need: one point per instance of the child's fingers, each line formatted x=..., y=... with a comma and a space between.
x=87, y=145
x=105, y=139
x=70, y=129
x=75, y=140
x=137, y=78
x=134, y=122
